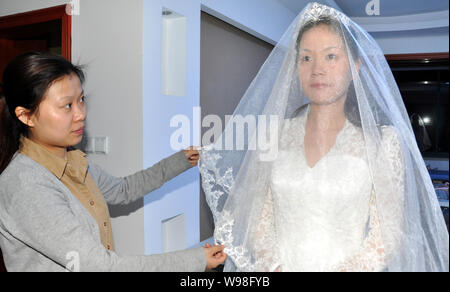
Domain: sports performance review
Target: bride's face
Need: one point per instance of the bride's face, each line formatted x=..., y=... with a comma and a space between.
x=323, y=65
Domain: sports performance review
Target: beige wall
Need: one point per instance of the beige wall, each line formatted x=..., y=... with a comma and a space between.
x=107, y=38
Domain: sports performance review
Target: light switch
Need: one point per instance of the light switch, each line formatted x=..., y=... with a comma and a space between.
x=101, y=145
x=97, y=145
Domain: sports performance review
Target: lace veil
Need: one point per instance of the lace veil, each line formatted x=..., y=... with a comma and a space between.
x=236, y=169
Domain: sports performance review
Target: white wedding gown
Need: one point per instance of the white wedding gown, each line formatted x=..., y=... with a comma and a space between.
x=324, y=218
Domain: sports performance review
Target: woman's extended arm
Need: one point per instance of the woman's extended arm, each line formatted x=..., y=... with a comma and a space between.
x=119, y=191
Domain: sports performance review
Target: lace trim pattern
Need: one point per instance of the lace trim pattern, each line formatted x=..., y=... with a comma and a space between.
x=264, y=238
x=216, y=186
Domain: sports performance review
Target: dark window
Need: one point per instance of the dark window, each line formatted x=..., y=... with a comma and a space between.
x=423, y=84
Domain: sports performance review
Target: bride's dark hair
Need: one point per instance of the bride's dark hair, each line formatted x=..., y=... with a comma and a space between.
x=351, y=108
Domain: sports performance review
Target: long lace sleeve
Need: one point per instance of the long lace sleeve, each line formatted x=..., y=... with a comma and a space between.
x=264, y=238
x=371, y=257
x=387, y=193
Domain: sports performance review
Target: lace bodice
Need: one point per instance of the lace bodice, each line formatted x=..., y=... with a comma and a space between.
x=324, y=217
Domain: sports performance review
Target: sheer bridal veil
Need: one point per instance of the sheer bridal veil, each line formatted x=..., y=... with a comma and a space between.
x=236, y=169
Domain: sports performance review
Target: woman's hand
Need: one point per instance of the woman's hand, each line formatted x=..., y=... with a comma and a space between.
x=192, y=155
x=214, y=255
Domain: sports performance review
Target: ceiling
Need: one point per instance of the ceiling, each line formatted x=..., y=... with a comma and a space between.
x=394, y=15
x=357, y=8
x=392, y=7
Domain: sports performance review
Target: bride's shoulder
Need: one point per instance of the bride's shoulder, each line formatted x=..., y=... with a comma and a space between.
x=294, y=123
x=390, y=137
x=389, y=133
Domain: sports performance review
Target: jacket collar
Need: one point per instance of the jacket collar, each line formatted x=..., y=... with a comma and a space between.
x=76, y=160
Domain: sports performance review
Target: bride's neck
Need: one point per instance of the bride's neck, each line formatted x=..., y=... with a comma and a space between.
x=330, y=117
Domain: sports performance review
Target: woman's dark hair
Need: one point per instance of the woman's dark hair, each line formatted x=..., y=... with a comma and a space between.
x=25, y=82
x=351, y=103
x=336, y=26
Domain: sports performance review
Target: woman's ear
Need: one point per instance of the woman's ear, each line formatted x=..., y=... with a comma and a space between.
x=24, y=116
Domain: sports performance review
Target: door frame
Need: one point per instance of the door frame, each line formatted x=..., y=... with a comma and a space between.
x=422, y=56
x=38, y=16
x=44, y=15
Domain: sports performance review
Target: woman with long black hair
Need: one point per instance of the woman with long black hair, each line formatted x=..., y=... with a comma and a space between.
x=53, y=201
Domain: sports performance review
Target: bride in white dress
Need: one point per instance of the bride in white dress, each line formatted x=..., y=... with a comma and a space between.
x=348, y=189
x=323, y=208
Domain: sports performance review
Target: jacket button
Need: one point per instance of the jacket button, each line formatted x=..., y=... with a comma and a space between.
x=92, y=203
